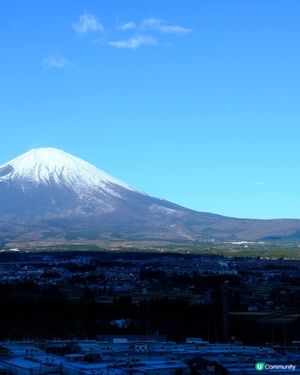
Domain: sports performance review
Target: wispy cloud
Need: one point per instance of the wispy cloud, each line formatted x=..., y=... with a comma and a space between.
x=127, y=26
x=134, y=42
x=87, y=23
x=140, y=34
x=55, y=62
x=156, y=24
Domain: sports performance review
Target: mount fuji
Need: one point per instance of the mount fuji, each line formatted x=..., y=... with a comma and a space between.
x=48, y=195
x=48, y=180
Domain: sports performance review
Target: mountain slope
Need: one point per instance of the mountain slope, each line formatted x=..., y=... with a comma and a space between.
x=47, y=194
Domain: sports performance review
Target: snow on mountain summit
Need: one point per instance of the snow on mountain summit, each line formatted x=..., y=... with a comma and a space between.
x=51, y=165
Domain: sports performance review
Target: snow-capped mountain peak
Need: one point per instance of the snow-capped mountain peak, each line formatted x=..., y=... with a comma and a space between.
x=53, y=166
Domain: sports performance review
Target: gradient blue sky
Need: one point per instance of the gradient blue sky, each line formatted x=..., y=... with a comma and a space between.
x=196, y=101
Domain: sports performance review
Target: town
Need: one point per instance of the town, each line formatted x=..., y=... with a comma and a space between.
x=113, y=312
x=84, y=294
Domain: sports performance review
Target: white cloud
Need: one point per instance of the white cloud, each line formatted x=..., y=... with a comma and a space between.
x=169, y=29
x=87, y=23
x=156, y=24
x=127, y=26
x=259, y=183
x=134, y=43
x=55, y=62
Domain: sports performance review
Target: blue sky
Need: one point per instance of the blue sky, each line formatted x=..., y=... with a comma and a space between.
x=196, y=102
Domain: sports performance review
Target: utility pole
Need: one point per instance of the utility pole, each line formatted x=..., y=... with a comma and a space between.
x=225, y=298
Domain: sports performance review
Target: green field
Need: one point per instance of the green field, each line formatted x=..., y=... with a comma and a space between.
x=221, y=249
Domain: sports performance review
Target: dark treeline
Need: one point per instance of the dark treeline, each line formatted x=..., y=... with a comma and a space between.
x=30, y=311
x=97, y=256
